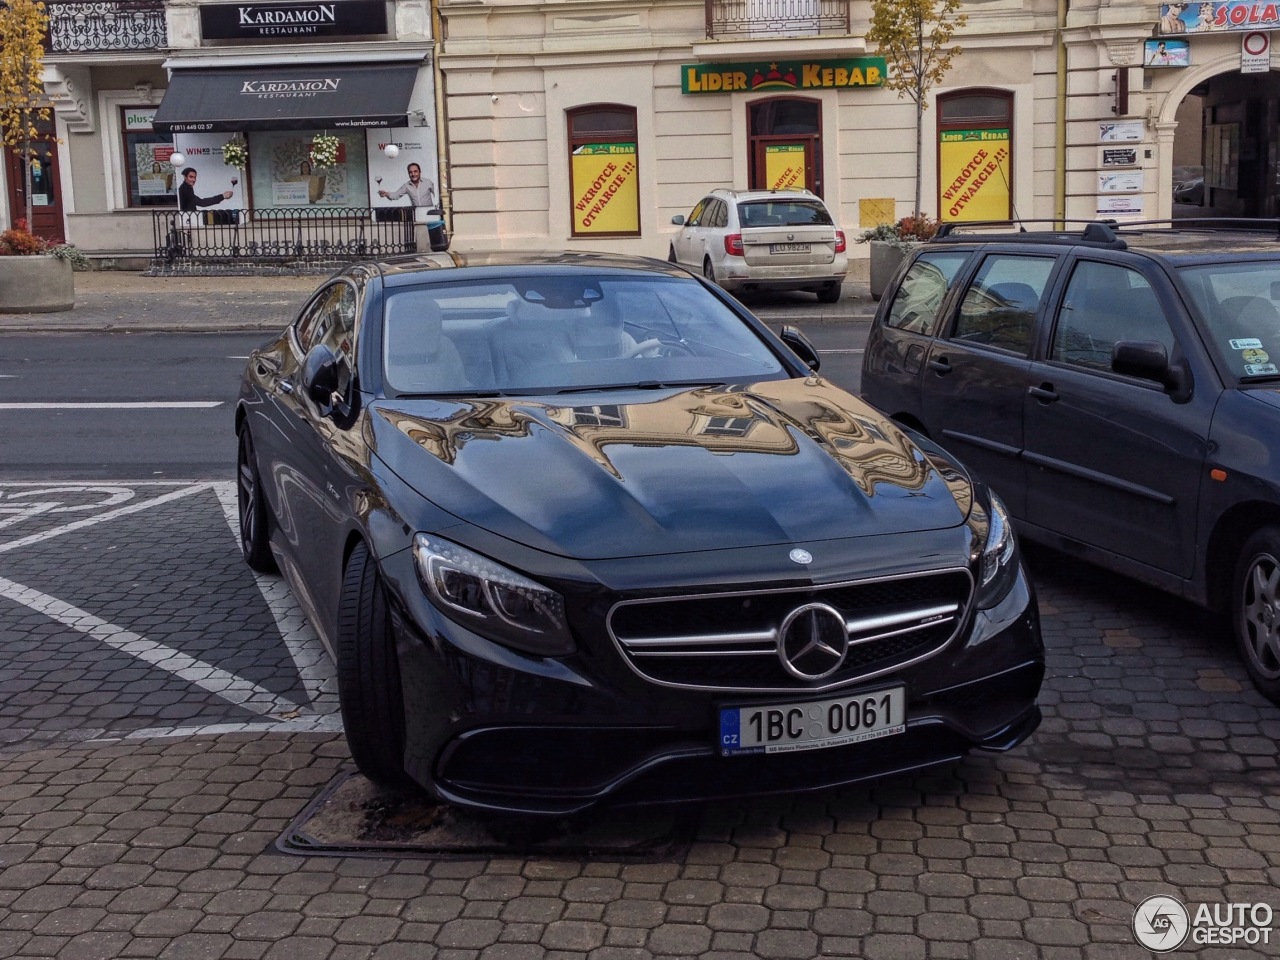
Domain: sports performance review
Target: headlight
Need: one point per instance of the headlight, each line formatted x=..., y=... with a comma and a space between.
x=997, y=566
x=490, y=599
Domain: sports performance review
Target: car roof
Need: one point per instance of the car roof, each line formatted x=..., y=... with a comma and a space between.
x=740, y=196
x=1199, y=240
x=402, y=270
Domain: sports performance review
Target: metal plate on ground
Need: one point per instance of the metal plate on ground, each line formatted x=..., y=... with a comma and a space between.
x=352, y=817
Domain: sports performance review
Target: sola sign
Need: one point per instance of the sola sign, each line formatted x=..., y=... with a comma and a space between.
x=1255, y=52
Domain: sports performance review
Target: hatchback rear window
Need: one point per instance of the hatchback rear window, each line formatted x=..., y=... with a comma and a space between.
x=783, y=213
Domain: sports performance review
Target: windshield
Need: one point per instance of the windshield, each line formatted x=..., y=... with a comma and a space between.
x=1239, y=304
x=564, y=332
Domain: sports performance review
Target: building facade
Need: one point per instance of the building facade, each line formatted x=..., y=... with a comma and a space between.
x=589, y=125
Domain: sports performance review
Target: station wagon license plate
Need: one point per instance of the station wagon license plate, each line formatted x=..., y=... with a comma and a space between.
x=789, y=727
x=788, y=248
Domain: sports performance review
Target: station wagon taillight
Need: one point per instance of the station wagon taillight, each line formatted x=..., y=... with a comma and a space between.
x=840, y=242
x=733, y=244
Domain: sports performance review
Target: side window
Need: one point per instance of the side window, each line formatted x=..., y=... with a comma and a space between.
x=304, y=328
x=720, y=218
x=999, y=308
x=695, y=218
x=337, y=320
x=915, y=305
x=1105, y=303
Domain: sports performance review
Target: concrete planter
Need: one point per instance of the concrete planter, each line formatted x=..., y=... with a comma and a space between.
x=38, y=284
x=885, y=258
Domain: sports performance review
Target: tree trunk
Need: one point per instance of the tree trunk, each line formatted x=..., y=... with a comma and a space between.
x=919, y=150
x=26, y=166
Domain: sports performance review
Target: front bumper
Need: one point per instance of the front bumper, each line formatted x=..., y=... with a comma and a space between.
x=494, y=729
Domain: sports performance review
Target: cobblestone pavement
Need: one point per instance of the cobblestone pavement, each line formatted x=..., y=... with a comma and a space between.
x=164, y=715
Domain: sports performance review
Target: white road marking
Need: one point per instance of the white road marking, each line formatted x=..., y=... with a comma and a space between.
x=215, y=680
x=132, y=405
x=309, y=656
x=185, y=491
x=844, y=350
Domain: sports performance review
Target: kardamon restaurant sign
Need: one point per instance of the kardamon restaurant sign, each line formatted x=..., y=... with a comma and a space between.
x=268, y=21
x=782, y=75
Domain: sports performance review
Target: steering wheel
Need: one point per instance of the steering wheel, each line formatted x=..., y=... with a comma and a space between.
x=653, y=347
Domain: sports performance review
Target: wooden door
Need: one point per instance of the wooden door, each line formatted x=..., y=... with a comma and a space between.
x=46, y=192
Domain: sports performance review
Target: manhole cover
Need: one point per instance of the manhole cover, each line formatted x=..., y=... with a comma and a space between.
x=352, y=817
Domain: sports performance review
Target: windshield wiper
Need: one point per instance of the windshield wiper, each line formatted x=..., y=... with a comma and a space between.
x=642, y=385
x=1260, y=378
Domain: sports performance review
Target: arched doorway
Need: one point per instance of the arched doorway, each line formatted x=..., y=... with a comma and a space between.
x=1226, y=149
x=784, y=136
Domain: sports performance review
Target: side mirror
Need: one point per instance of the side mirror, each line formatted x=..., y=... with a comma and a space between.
x=678, y=219
x=1148, y=360
x=322, y=376
x=801, y=346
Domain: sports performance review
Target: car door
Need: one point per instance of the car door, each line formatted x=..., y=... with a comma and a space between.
x=1113, y=461
x=308, y=499
x=975, y=378
x=893, y=364
x=688, y=253
x=711, y=236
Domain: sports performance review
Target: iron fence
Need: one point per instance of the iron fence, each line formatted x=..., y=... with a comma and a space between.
x=82, y=26
x=311, y=235
x=739, y=19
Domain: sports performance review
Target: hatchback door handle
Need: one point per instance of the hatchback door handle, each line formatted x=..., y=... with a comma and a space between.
x=942, y=365
x=1044, y=393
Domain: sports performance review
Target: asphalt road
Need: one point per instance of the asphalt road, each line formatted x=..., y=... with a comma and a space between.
x=161, y=403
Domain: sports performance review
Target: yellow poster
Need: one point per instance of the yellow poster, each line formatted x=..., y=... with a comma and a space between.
x=606, y=189
x=973, y=175
x=784, y=167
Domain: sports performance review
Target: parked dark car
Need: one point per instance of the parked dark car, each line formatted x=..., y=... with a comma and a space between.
x=580, y=527
x=1117, y=386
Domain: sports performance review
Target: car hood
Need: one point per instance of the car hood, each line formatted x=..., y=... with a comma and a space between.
x=647, y=472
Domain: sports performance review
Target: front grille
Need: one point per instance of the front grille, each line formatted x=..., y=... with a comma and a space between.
x=730, y=641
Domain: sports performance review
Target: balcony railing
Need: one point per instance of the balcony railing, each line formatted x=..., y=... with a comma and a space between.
x=288, y=236
x=739, y=19
x=76, y=26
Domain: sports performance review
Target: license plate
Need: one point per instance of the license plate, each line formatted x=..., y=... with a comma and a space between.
x=788, y=248
x=815, y=725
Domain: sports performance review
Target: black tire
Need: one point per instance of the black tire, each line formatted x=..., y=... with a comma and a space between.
x=1255, y=610
x=829, y=294
x=671, y=255
x=255, y=536
x=369, y=690
x=708, y=270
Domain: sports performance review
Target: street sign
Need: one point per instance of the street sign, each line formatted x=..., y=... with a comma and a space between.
x=1255, y=52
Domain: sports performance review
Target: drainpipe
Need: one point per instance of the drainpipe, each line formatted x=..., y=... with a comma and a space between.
x=1060, y=123
x=442, y=141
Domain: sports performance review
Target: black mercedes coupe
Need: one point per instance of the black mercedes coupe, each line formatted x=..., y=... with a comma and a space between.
x=579, y=528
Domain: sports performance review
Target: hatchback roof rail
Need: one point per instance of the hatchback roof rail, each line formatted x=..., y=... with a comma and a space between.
x=1095, y=232
x=1211, y=223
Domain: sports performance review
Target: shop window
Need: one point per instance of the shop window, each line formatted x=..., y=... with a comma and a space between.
x=783, y=151
x=604, y=171
x=975, y=155
x=149, y=178
x=282, y=173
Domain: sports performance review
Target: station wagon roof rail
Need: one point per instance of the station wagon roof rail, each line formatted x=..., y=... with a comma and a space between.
x=1095, y=232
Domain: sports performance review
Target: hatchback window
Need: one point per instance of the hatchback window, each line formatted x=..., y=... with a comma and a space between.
x=999, y=308
x=915, y=305
x=1106, y=303
x=1239, y=304
x=788, y=213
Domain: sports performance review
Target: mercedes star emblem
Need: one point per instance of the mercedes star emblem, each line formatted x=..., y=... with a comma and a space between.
x=801, y=556
x=813, y=641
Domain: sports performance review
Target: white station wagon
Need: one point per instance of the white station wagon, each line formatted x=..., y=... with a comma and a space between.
x=763, y=240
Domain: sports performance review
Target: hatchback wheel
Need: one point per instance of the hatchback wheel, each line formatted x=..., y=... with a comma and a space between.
x=1256, y=610
x=254, y=542
x=369, y=674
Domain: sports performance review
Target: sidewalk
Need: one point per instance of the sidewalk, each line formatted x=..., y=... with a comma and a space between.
x=116, y=301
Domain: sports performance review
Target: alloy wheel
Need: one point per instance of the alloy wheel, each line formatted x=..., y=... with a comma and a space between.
x=1260, y=615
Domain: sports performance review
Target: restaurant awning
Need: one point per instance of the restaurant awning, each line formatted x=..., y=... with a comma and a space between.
x=310, y=97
